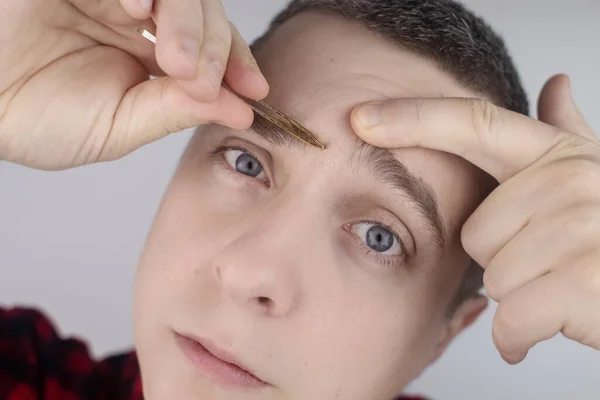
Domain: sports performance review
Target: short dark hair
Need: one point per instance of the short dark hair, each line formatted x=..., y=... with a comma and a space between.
x=460, y=42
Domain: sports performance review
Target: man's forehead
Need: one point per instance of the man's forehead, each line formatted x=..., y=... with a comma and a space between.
x=313, y=56
x=319, y=66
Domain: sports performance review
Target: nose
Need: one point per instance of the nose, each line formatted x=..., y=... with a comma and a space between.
x=257, y=271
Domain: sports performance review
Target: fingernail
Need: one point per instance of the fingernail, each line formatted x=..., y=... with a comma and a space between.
x=253, y=64
x=146, y=4
x=191, y=47
x=570, y=86
x=215, y=74
x=370, y=114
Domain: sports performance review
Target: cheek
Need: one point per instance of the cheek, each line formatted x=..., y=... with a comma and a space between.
x=368, y=343
x=191, y=226
x=392, y=330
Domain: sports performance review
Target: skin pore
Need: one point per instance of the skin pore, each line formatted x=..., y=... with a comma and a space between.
x=269, y=249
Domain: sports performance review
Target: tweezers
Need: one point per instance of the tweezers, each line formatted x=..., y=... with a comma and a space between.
x=269, y=113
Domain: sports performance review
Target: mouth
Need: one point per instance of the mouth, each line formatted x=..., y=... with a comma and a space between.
x=217, y=365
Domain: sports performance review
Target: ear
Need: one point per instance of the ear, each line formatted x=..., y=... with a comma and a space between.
x=463, y=317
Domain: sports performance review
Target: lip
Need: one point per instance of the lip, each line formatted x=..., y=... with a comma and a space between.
x=217, y=365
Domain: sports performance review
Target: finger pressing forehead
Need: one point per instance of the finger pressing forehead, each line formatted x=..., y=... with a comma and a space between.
x=498, y=141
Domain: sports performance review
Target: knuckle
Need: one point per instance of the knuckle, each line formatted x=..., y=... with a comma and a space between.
x=574, y=144
x=219, y=40
x=581, y=176
x=485, y=118
x=506, y=324
x=412, y=107
x=216, y=51
x=493, y=286
x=409, y=109
x=472, y=236
x=468, y=234
x=170, y=123
x=220, y=63
x=583, y=222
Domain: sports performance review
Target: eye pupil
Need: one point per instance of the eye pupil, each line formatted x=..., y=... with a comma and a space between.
x=248, y=165
x=380, y=239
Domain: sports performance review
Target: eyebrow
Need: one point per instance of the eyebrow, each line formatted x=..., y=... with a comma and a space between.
x=383, y=166
x=274, y=135
x=391, y=172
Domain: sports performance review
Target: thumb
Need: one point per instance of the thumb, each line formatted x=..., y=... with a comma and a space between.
x=157, y=107
x=557, y=107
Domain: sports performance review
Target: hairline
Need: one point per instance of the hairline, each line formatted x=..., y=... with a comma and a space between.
x=406, y=45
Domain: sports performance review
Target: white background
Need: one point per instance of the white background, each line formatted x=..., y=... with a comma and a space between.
x=69, y=241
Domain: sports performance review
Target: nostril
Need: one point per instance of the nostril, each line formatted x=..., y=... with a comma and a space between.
x=264, y=301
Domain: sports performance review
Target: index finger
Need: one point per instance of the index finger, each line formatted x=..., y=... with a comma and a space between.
x=498, y=141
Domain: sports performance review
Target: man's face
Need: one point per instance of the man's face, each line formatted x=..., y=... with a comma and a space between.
x=326, y=273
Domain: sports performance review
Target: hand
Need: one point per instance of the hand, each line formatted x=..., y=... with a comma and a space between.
x=74, y=76
x=538, y=234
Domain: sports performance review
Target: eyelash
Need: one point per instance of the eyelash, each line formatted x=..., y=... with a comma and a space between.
x=387, y=261
x=222, y=149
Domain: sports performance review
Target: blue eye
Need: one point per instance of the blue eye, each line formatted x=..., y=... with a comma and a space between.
x=245, y=163
x=378, y=238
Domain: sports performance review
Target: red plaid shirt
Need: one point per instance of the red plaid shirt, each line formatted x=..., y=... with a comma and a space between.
x=36, y=363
